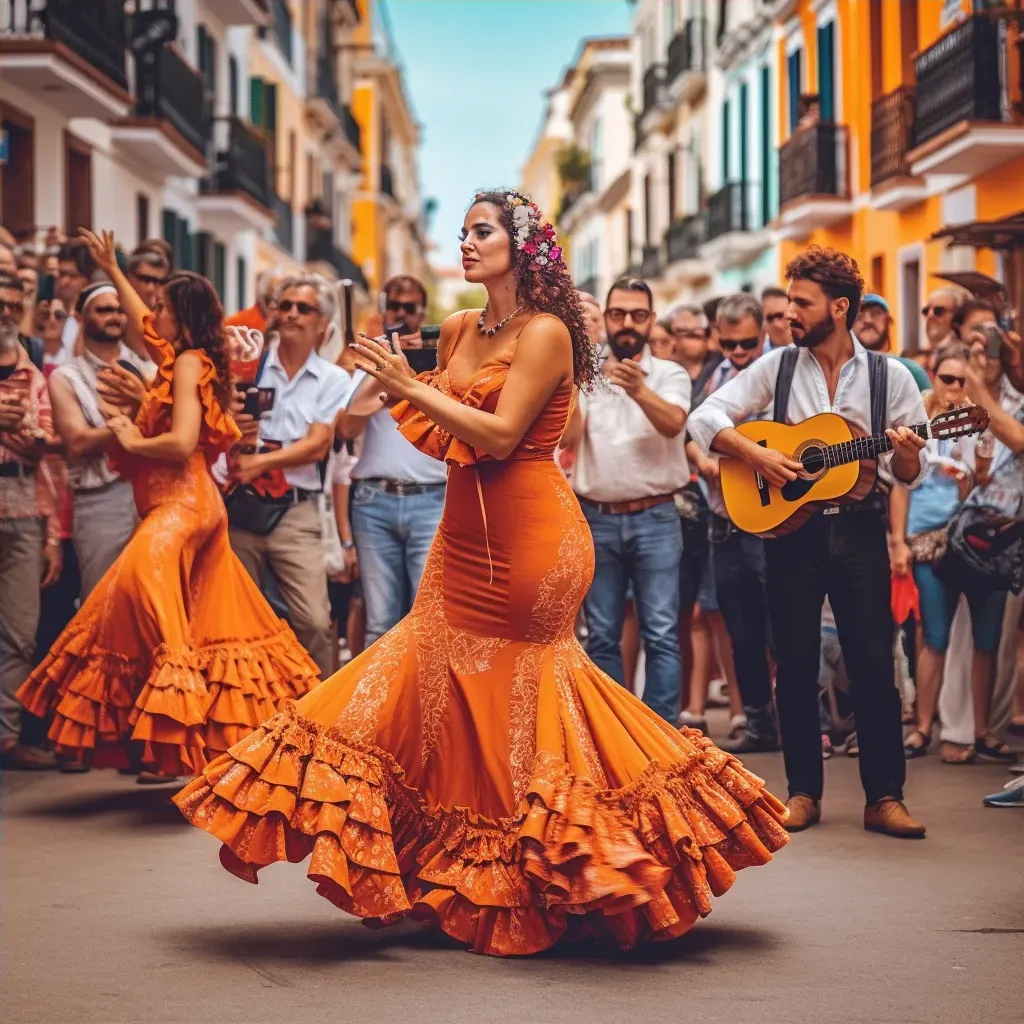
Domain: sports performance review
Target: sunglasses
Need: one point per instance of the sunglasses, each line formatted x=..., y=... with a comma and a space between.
x=108, y=310
x=949, y=379
x=149, y=279
x=14, y=307
x=772, y=317
x=408, y=308
x=638, y=316
x=303, y=308
x=936, y=310
x=55, y=314
x=747, y=344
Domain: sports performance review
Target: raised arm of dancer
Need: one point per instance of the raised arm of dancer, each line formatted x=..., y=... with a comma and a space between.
x=178, y=443
x=102, y=248
x=543, y=360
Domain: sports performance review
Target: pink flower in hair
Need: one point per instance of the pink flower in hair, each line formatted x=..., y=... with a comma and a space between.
x=556, y=253
x=549, y=232
x=530, y=248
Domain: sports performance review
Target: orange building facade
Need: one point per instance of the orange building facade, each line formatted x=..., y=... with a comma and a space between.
x=898, y=120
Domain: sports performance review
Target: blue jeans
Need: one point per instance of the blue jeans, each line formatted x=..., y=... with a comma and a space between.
x=393, y=535
x=642, y=548
x=938, y=606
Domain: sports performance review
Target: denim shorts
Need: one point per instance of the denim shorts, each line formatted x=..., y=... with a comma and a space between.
x=938, y=606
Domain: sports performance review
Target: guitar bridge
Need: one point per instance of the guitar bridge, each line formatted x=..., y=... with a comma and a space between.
x=763, y=487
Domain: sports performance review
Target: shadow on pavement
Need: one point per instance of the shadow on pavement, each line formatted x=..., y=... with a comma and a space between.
x=137, y=806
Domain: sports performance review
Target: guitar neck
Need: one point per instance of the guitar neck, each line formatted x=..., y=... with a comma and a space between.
x=866, y=447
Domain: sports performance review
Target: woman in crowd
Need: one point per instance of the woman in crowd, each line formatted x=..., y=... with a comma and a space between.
x=48, y=322
x=919, y=521
x=473, y=767
x=175, y=653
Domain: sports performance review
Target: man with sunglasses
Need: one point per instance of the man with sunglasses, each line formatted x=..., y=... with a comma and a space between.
x=737, y=559
x=630, y=461
x=397, y=493
x=938, y=312
x=147, y=272
x=103, y=505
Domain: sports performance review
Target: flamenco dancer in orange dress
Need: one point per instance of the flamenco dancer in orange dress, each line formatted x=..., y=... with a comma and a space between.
x=472, y=767
x=175, y=655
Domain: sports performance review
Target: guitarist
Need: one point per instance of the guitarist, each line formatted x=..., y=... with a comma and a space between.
x=841, y=551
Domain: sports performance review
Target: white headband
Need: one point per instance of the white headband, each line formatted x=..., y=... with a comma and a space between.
x=98, y=290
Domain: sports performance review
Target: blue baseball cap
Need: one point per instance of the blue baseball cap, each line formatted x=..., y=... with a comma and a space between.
x=872, y=299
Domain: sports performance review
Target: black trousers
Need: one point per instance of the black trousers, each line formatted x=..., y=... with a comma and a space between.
x=844, y=557
x=738, y=560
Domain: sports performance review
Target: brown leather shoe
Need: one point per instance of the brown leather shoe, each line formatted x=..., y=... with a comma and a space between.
x=27, y=759
x=803, y=813
x=891, y=817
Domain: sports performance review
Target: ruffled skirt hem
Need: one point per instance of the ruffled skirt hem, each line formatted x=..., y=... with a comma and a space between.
x=183, y=706
x=638, y=862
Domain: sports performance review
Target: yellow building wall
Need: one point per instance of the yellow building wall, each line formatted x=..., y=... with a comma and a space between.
x=869, y=233
x=366, y=229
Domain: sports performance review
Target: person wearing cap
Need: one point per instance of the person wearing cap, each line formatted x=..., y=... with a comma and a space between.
x=103, y=505
x=872, y=329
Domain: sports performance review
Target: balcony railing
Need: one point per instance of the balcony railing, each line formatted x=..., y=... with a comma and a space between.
x=686, y=51
x=281, y=27
x=685, y=237
x=651, y=263
x=892, y=134
x=284, y=222
x=813, y=163
x=320, y=248
x=958, y=79
x=654, y=86
x=243, y=163
x=727, y=210
x=327, y=83
x=93, y=29
x=387, y=181
x=353, y=132
x=167, y=87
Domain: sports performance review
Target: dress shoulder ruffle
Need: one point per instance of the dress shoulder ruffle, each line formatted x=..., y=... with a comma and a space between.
x=219, y=430
x=434, y=440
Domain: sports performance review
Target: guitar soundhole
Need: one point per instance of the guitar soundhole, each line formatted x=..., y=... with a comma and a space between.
x=813, y=460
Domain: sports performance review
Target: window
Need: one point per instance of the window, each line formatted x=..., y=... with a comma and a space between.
x=672, y=203
x=77, y=185
x=910, y=300
x=263, y=105
x=875, y=46
x=794, y=63
x=766, y=143
x=241, y=274
x=827, y=72
x=17, y=182
x=141, y=217
x=648, y=226
x=878, y=275
x=726, y=142
x=293, y=157
x=908, y=41
x=219, y=260
x=233, y=85
x=206, y=50
x=744, y=136
x=178, y=233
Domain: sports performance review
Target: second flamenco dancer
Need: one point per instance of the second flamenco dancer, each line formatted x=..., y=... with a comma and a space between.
x=473, y=768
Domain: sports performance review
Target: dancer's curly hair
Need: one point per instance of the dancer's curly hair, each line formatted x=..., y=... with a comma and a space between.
x=197, y=308
x=541, y=276
x=835, y=272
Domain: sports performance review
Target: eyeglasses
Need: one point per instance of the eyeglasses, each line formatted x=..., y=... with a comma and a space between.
x=303, y=308
x=149, y=279
x=949, y=379
x=13, y=306
x=772, y=317
x=108, y=311
x=936, y=310
x=638, y=316
x=747, y=344
x=55, y=314
x=408, y=308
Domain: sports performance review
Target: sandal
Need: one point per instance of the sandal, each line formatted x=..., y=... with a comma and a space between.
x=909, y=715
x=919, y=749
x=852, y=745
x=993, y=752
x=956, y=753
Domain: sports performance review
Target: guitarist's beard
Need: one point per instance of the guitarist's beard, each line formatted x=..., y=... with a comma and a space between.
x=815, y=335
x=627, y=344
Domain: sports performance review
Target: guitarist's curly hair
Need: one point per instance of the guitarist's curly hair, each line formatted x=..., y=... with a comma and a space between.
x=837, y=274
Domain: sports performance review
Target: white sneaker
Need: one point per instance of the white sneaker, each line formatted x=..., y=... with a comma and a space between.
x=718, y=694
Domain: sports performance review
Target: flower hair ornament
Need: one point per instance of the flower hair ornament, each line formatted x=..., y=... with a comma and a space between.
x=532, y=238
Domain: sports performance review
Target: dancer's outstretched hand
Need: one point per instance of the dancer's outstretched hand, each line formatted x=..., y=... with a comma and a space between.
x=390, y=370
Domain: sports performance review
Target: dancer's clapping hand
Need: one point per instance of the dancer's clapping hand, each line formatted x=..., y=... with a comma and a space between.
x=121, y=390
x=390, y=370
x=128, y=435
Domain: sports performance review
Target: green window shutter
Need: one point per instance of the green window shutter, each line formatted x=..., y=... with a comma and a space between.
x=170, y=227
x=726, y=148
x=203, y=244
x=826, y=72
x=219, y=260
x=270, y=107
x=766, y=144
x=256, y=100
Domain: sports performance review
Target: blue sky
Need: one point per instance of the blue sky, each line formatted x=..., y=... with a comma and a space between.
x=475, y=73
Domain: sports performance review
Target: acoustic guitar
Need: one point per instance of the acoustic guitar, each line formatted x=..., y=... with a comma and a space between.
x=839, y=467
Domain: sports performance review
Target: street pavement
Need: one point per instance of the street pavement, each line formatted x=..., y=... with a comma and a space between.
x=117, y=912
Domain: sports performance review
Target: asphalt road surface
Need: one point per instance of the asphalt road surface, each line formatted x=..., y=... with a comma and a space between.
x=117, y=912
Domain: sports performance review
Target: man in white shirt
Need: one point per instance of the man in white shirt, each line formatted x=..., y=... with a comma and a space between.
x=630, y=460
x=840, y=552
x=737, y=558
x=310, y=393
x=397, y=494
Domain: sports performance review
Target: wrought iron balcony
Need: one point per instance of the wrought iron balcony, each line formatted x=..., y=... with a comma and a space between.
x=813, y=163
x=686, y=51
x=892, y=134
x=242, y=163
x=651, y=264
x=727, y=210
x=320, y=248
x=168, y=88
x=654, y=86
x=958, y=79
x=685, y=237
x=92, y=30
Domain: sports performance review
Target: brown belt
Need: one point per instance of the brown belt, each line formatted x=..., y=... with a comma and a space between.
x=621, y=508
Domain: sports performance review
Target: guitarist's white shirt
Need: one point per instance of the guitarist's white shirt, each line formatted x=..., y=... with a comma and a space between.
x=753, y=390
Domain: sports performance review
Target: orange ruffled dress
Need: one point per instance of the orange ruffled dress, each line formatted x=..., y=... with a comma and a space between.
x=176, y=647
x=473, y=767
